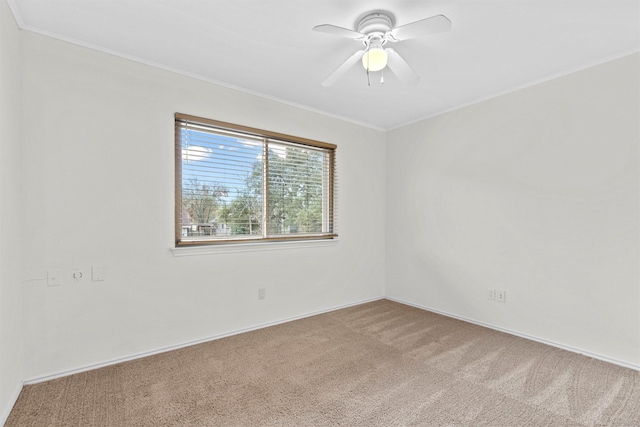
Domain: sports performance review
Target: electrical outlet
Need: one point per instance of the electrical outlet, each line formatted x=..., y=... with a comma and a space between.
x=491, y=294
x=501, y=296
x=262, y=294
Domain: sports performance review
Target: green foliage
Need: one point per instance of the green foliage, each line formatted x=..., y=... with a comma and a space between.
x=295, y=191
x=244, y=215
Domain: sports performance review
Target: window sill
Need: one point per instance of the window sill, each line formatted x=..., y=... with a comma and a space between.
x=250, y=247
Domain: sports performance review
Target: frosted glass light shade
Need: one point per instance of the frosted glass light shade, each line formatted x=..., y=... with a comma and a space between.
x=374, y=59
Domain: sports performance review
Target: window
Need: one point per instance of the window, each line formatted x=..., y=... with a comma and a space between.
x=239, y=184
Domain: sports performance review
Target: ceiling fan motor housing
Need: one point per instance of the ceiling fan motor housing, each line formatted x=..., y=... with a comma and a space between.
x=376, y=22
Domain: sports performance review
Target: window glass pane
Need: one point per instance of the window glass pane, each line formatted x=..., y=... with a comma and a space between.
x=221, y=184
x=296, y=182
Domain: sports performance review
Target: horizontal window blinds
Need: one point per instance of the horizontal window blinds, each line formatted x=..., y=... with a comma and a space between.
x=236, y=184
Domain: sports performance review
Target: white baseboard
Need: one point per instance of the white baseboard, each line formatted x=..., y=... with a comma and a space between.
x=522, y=335
x=85, y=368
x=14, y=397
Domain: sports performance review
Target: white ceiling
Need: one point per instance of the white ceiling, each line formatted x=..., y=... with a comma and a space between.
x=268, y=47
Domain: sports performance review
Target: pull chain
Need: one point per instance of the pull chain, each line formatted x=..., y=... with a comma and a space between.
x=366, y=53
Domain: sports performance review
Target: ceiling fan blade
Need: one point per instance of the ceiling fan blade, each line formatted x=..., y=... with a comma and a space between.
x=338, y=31
x=343, y=68
x=424, y=27
x=400, y=68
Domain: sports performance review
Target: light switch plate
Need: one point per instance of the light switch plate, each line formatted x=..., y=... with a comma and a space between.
x=97, y=273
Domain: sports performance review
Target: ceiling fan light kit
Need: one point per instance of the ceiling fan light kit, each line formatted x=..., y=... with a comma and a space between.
x=375, y=29
x=375, y=57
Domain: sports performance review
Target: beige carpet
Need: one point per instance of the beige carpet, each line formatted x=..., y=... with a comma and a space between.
x=377, y=364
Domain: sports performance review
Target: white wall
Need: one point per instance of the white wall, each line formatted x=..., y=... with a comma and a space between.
x=10, y=213
x=535, y=193
x=99, y=176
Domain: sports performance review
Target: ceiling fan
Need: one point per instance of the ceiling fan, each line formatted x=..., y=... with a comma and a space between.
x=375, y=30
